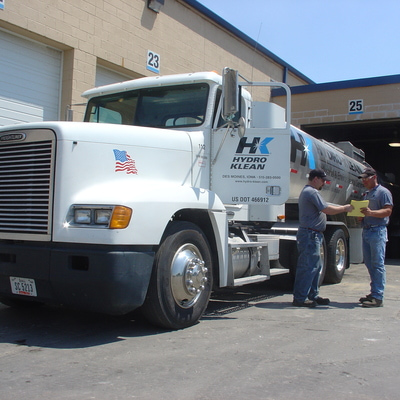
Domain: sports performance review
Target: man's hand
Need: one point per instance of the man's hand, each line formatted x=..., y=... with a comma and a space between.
x=348, y=208
x=366, y=211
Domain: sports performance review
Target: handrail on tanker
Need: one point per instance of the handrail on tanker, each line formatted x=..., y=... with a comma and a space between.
x=288, y=108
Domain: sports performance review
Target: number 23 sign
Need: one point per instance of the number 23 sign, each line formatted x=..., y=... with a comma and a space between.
x=153, y=62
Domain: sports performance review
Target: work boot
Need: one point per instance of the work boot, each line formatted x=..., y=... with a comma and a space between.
x=322, y=301
x=372, y=302
x=305, y=303
x=368, y=297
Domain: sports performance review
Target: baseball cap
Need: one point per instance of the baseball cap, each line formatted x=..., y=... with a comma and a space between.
x=320, y=173
x=367, y=172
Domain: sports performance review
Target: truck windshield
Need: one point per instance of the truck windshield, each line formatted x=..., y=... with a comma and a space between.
x=161, y=107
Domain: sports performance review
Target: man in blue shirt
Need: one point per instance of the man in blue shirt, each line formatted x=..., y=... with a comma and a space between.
x=312, y=217
x=375, y=235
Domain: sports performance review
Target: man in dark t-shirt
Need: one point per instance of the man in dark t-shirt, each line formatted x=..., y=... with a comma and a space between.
x=312, y=215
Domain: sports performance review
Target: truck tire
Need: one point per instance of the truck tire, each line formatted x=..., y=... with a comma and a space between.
x=337, y=255
x=181, y=280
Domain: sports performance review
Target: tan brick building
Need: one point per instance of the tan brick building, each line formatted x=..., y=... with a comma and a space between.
x=94, y=42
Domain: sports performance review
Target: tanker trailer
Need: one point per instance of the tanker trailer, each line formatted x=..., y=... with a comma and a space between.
x=343, y=163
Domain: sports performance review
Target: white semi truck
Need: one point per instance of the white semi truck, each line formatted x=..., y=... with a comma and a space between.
x=171, y=187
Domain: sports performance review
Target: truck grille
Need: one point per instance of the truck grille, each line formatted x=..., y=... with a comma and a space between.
x=26, y=184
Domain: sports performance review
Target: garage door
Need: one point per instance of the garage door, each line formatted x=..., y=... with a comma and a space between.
x=30, y=76
x=105, y=76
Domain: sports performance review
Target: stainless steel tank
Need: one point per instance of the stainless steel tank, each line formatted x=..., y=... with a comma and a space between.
x=343, y=163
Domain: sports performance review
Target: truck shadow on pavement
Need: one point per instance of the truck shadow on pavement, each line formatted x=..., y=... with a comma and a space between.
x=59, y=327
x=333, y=304
x=50, y=326
x=227, y=302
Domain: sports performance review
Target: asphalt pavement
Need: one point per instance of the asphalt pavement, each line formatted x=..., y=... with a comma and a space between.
x=251, y=344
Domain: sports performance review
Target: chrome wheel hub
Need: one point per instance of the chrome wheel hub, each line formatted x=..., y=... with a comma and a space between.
x=340, y=255
x=188, y=275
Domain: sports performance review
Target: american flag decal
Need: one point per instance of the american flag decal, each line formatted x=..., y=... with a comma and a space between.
x=123, y=162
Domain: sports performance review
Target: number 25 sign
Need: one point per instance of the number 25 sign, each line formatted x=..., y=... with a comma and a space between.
x=153, y=62
x=356, y=106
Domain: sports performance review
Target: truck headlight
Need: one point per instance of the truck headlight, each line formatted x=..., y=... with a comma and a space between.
x=82, y=216
x=102, y=217
x=113, y=217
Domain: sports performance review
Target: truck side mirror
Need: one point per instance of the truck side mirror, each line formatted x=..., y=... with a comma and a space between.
x=230, y=93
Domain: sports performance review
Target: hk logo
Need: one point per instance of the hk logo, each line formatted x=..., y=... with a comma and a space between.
x=255, y=146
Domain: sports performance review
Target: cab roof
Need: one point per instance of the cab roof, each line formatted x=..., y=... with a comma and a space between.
x=156, y=81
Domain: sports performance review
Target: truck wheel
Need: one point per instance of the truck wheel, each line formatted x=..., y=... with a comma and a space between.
x=337, y=256
x=181, y=280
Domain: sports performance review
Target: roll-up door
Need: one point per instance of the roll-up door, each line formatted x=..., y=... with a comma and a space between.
x=105, y=76
x=30, y=76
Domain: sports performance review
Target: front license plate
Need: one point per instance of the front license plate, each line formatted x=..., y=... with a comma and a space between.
x=23, y=286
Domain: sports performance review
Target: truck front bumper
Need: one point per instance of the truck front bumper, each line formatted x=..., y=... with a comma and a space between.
x=108, y=279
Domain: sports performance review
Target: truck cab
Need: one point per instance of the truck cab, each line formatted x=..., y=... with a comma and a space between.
x=170, y=188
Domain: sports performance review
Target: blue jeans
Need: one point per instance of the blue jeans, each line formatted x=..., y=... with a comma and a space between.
x=309, y=264
x=374, y=249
